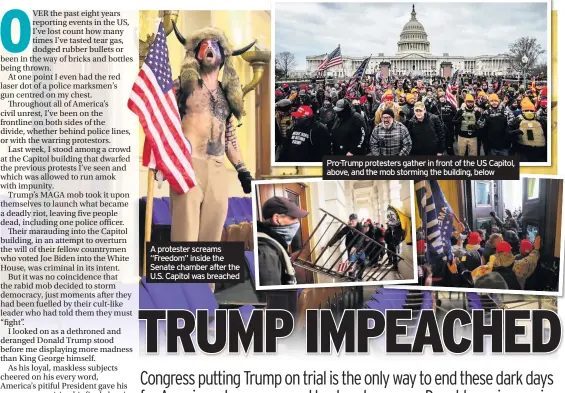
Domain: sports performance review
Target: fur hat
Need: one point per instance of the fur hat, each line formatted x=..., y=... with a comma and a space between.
x=190, y=67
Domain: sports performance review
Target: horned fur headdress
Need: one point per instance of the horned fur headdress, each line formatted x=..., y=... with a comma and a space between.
x=190, y=67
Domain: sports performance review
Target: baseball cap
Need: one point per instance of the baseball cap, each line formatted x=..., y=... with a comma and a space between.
x=302, y=112
x=281, y=205
x=340, y=105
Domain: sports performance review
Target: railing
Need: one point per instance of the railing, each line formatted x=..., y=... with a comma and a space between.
x=378, y=272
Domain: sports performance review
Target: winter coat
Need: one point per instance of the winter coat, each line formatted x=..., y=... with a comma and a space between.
x=428, y=135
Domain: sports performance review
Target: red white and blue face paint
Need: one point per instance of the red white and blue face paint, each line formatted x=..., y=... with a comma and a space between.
x=208, y=46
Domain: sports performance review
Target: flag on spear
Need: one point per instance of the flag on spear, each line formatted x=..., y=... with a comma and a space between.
x=437, y=223
x=153, y=100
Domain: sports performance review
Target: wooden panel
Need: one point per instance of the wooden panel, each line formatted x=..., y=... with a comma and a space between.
x=263, y=125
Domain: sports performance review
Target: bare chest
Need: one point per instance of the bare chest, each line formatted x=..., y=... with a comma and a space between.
x=204, y=102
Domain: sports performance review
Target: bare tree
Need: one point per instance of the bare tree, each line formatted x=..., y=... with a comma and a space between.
x=524, y=46
x=285, y=62
x=540, y=68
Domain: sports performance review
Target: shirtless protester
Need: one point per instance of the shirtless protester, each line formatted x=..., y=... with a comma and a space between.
x=206, y=107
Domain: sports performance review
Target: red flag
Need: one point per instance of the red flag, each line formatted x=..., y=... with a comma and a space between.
x=153, y=100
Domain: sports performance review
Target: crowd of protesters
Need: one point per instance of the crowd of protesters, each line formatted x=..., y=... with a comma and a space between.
x=410, y=116
x=379, y=247
x=496, y=256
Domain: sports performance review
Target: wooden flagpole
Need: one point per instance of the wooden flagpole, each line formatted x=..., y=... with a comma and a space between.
x=148, y=215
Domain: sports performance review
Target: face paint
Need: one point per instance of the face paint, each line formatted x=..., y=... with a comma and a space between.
x=209, y=44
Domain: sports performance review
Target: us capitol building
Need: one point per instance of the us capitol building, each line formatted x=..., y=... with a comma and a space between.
x=413, y=56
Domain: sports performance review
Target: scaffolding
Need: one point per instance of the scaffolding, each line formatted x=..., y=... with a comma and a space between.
x=310, y=259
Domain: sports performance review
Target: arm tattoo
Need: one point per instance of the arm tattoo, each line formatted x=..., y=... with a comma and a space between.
x=231, y=139
x=240, y=166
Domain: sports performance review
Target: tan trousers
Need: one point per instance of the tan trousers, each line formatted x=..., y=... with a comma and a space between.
x=462, y=144
x=199, y=214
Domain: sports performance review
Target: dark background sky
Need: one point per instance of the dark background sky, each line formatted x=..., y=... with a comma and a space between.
x=463, y=29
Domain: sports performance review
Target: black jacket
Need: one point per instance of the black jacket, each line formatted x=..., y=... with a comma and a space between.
x=509, y=276
x=274, y=261
x=307, y=141
x=352, y=238
x=428, y=135
x=496, y=129
x=394, y=235
x=471, y=259
x=447, y=112
x=348, y=134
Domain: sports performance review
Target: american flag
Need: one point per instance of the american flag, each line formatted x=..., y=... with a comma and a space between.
x=343, y=267
x=152, y=99
x=331, y=60
x=437, y=222
x=448, y=94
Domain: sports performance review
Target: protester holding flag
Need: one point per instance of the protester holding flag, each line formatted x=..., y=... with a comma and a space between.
x=437, y=224
x=189, y=135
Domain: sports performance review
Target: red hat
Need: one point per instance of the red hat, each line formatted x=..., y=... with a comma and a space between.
x=302, y=112
x=285, y=85
x=303, y=87
x=474, y=238
x=368, y=221
x=278, y=93
x=543, y=103
x=526, y=246
x=421, y=246
x=503, y=247
x=363, y=100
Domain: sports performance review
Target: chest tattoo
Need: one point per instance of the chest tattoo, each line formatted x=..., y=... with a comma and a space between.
x=215, y=145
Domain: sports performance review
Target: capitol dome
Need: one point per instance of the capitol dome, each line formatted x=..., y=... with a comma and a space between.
x=413, y=38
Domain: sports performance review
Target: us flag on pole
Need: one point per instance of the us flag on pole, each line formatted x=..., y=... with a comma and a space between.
x=152, y=99
x=331, y=60
x=448, y=94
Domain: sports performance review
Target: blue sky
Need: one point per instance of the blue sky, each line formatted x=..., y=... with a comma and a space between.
x=464, y=29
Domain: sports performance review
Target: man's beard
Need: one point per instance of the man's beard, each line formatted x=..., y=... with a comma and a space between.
x=207, y=67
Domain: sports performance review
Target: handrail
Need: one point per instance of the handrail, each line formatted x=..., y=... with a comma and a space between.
x=371, y=273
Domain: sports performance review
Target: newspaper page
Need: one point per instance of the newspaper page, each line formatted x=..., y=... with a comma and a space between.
x=346, y=197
